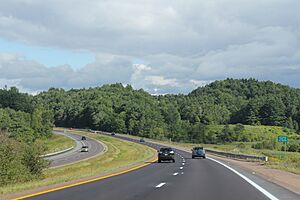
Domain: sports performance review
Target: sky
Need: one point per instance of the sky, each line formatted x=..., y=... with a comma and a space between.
x=160, y=46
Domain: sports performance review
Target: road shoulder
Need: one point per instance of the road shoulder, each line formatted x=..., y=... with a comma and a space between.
x=285, y=179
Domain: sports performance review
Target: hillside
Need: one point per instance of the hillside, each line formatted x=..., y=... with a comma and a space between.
x=118, y=108
x=252, y=102
x=184, y=118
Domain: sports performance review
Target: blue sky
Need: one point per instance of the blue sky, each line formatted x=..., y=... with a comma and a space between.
x=48, y=56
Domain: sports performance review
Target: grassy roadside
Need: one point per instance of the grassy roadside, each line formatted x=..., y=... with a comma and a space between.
x=120, y=154
x=57, y=143
x=286, y=161
x=258, y=132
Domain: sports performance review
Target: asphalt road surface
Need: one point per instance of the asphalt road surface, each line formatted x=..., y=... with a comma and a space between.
x=186, y=179
x=75, y=154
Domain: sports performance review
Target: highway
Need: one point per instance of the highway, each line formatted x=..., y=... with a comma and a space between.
x=75, y=155
x=185, y=179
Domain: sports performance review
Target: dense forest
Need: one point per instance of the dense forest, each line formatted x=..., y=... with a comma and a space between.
x=116, y=108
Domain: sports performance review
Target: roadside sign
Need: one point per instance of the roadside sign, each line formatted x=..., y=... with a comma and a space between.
x=282, y=138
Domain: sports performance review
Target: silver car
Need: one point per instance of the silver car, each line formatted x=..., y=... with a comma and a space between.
x=84, y=149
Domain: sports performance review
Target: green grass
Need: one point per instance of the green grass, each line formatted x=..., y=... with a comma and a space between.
x=260, y=132
x=120, y=154
x=57, y=143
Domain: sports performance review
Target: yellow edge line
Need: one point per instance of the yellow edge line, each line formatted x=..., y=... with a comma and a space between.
x=84, y=182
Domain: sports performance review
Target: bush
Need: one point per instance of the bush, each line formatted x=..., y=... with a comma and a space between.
x=266, y=144
x=11, y=168
x=285, y=129
x=294, y=146
x=32, y=160
x=241, y=146
x=19, y=162
x=258, y=145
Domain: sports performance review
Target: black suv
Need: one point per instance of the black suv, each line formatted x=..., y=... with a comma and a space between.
x=83, y=138
x=166, y=153
x=198, y=152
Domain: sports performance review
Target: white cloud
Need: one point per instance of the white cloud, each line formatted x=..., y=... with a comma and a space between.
x=31, y=75
x=183, y=44
x=161, y=81
x=141, y=67
x=199, y=83
x=7, y=57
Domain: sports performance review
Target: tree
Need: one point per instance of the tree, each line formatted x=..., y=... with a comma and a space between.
x=172, y=118
x=227, y=134
x=272, y=112
x=198, y=133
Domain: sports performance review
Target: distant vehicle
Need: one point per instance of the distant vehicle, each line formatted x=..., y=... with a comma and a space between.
x=166, y=154
x=142, y=140
x=113, y=134
x=84, y=149
x=198, y=152
x=83, y=138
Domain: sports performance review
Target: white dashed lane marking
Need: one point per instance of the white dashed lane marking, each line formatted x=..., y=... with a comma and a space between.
x=175, y=174
x=181, y=168
x=160, y=185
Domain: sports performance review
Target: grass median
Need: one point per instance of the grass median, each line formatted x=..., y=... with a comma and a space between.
x=120, y=154
x=58, y=142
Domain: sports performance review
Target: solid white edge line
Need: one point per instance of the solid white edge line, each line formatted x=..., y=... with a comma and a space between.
x=262, y=190
x=160, y=185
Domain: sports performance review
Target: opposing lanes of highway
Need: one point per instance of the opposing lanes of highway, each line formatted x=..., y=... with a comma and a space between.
x=75, y=155
x=185, y=179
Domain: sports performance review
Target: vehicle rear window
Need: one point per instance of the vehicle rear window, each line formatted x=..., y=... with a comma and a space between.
x=166, y=149
x=198, y=148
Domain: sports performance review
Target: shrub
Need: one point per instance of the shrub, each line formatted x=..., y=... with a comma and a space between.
x=257, y=145
x=294, y=146
x=241, y=146
x=19, y=162
x=32, y=160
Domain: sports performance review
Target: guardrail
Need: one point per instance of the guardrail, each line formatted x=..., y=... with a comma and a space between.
x=56, y=153
x=238, y=156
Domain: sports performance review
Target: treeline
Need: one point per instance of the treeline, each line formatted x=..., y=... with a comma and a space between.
x=22, y=122
x=121, y=109
x=252, y=102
